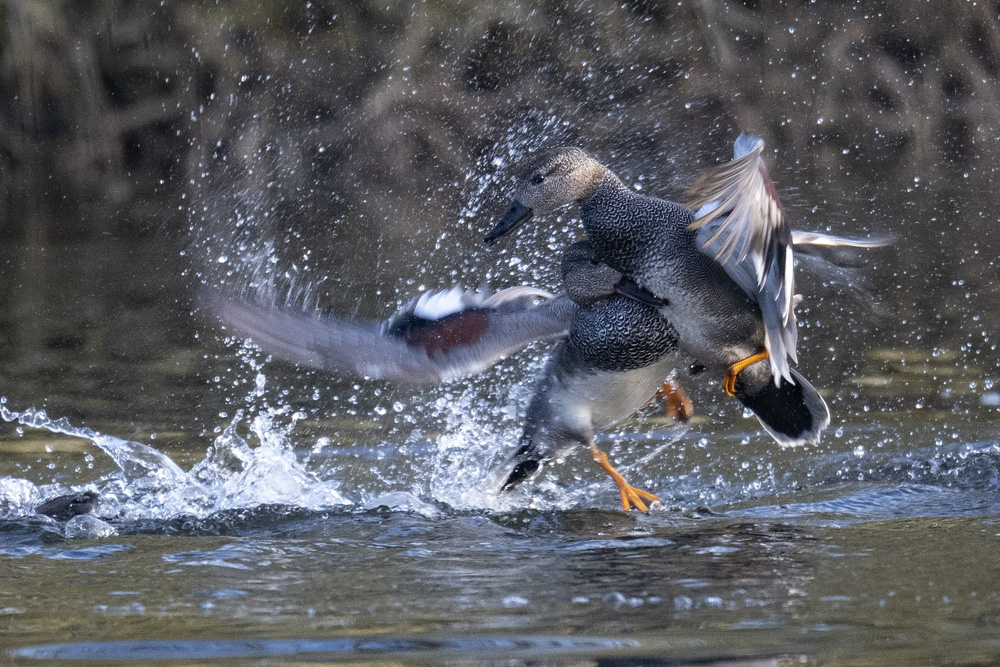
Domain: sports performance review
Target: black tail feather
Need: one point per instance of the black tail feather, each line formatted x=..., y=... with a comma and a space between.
x=793, y=413
x=526, y=462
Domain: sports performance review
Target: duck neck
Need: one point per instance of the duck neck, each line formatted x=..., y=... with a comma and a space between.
x=608, y=191
x=608, y=216
x=591, y=176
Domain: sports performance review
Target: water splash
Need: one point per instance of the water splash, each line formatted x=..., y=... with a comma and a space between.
x=257, y=459
x=150, y=485
x=136, y=461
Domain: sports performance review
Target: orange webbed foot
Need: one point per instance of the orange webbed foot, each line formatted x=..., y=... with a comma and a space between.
x=729, y=382
x=630, y=495
x=676, y=402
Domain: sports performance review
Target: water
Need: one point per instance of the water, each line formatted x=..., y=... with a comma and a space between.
x=258, y=513
x=270, y=544
x=255, y=511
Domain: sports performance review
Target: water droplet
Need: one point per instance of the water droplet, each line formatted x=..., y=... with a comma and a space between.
x=515, y=601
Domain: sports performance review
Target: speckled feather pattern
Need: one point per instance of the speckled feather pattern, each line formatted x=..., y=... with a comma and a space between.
x=618, y=334
x=648, y=240
x=651, y=242
x=614, y=358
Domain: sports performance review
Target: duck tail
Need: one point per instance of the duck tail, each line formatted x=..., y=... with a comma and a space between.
x=792, y=412
x=525, y=463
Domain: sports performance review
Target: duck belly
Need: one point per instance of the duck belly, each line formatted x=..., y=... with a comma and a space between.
x=613, y=396
x=715, y=332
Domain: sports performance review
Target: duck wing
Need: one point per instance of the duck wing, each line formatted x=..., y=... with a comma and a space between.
x=835, y=261
x=740, y=222
x=812, y=240
x=434, y=338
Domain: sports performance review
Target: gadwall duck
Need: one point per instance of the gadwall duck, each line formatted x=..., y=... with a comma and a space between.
x=723, y=277
x=612, y=356
x=614, y=359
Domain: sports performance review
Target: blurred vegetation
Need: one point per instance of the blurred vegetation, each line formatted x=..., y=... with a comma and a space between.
x=106, y=102
x=367, y=140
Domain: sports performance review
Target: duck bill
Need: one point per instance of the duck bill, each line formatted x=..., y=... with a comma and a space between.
x=516, y=214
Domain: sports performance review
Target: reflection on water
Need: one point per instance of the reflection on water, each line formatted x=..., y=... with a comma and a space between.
x=370, y=583
x=469, y=648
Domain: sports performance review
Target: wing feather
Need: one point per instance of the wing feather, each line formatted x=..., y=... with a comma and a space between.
x=741, y=223
x=407, y=348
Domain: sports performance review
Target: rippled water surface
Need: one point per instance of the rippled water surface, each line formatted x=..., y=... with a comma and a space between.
x=274, y=534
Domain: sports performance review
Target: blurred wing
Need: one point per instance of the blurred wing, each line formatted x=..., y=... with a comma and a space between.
x=836, y=261
x=738, y=203
x=740, y=221
x=835, y=258
x=438, y=337
x=807, y=239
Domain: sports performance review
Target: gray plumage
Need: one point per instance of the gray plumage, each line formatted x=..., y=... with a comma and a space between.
x=725, y=280
x=438, y=337
x=609, y=332
x=615, y=358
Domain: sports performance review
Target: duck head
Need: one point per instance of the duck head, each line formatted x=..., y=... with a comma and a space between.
x=587, y=279
x=548, y=181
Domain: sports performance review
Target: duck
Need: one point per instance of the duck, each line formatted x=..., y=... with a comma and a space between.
x=616, y=355
x=612, y=355
x=67, y=506
x=719, y=269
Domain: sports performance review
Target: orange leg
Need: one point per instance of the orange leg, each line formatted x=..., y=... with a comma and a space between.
x=676, y=403
x=630, y=494
x=729, y=382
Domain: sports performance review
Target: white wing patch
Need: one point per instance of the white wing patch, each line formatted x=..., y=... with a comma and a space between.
x=440, y=304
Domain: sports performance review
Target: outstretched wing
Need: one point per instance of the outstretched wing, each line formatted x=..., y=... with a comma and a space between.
x=741, y=223
x=818, y=239
x=438, y=337
x=835, y=260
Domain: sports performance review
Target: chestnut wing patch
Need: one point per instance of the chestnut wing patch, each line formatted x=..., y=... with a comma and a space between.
x=461, y=329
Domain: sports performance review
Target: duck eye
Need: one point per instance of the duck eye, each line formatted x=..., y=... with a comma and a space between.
x=537, y=179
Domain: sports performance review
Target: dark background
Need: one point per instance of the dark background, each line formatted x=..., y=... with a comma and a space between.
x=360, y=149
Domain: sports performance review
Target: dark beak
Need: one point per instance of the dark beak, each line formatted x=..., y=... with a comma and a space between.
x=517, y=214
x=628, y=288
